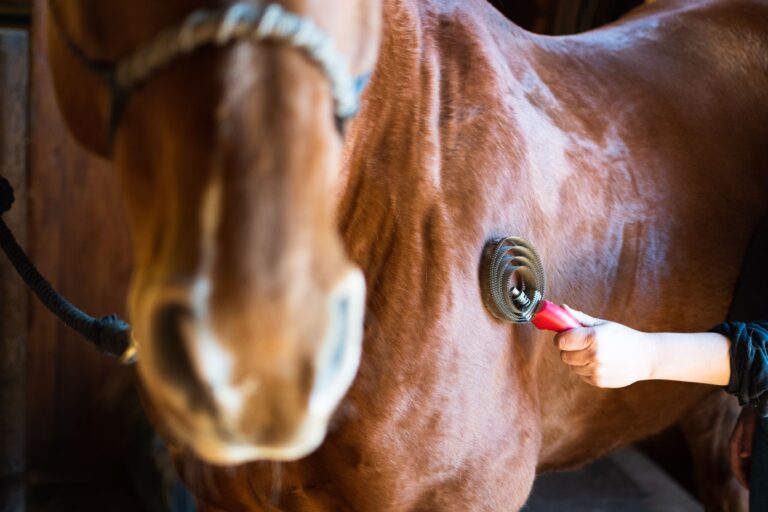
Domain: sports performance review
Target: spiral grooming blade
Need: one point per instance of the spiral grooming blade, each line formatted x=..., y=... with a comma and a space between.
x=512, y=279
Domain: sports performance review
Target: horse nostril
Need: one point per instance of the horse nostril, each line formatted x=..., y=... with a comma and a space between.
x=339, y=357
x=171, y=352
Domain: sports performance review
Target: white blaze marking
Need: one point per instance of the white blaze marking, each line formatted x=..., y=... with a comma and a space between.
x=217, y=362
x=214, y=362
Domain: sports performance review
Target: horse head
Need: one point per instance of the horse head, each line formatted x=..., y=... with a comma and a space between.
x=247, y=312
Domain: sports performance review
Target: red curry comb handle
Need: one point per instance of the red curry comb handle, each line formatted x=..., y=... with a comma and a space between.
x=551, y=317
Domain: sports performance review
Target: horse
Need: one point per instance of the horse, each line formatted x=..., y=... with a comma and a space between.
x=632, y=157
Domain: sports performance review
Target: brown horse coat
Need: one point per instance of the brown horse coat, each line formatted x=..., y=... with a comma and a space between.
x=633, y=157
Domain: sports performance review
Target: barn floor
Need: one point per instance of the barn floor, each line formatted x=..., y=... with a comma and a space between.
x=626, y=481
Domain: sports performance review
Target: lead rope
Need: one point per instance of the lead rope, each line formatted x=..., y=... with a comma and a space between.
x=109, y=334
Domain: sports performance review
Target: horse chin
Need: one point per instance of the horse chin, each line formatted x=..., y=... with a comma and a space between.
x=226, y=453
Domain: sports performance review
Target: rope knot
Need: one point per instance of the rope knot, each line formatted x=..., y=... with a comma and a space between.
x=6, y=195
x=112, y=335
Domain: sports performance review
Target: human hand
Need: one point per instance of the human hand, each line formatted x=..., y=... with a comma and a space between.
x=741, y=444
x=606, y=354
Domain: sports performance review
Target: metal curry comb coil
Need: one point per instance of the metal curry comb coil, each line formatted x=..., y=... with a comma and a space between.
x=512, y=282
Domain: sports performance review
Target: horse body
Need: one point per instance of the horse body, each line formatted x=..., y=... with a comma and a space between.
x=667, y=179
x=668, y=183
x=638, y=177
x=634, y=173
x=631, y=156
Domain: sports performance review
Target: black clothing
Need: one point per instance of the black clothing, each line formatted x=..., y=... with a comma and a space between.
x=749, y=362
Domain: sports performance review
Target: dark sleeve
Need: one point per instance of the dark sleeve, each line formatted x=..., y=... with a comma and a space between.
x=749, y=362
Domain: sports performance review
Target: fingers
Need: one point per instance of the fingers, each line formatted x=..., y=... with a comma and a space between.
x=581, y=362
x=575, y=339
x=604, y=354
x=577, y=358
x=586, y=371
x=578, y=339
x=583, y=318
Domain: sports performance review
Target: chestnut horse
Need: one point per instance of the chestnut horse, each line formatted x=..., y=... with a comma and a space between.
x=632, y=156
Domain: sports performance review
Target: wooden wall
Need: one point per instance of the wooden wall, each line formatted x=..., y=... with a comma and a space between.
x=15, y=13
x=13, y=297
x=79, y=239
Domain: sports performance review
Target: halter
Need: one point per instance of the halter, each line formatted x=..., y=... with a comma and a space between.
x=249, y=20
x=244, y=21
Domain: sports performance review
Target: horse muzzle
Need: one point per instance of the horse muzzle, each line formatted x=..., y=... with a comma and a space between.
x=257, y=398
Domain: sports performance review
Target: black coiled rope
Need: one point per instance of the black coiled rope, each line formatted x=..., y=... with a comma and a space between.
x=109, y=334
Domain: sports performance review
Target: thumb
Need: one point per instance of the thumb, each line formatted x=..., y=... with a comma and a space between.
x=583, y=318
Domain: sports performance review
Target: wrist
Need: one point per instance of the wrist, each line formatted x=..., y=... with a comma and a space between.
x=651, y=343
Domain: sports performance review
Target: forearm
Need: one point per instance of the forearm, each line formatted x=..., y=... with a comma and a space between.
x=697, y=357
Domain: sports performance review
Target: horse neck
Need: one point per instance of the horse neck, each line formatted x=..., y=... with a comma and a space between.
x=443, y=69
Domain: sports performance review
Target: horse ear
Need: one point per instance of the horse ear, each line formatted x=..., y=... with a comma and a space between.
x=82, y=93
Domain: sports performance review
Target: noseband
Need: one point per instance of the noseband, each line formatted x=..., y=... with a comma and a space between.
x=249, y=20
x=244, y=21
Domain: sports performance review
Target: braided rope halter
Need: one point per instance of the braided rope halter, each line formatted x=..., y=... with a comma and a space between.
x=243, y=21
x=249, y=20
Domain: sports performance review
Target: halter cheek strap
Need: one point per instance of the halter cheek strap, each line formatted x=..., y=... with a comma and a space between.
x=243, y=21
